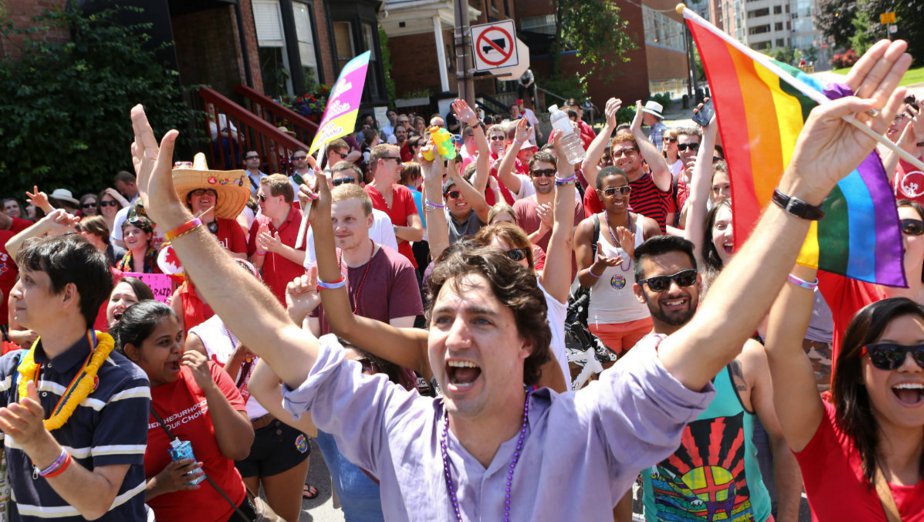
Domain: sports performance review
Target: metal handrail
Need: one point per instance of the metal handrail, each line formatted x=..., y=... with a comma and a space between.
x=253, y=133
x=562, y=98
x=277, y=114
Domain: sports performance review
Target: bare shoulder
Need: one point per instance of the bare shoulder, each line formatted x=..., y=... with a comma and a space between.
x=753, y=362
x=650, y=227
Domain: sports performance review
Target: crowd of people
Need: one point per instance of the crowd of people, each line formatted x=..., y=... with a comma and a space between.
x=418, y=330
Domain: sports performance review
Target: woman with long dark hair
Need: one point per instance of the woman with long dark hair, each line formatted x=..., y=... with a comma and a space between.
x=861, y=448
x=192, y=400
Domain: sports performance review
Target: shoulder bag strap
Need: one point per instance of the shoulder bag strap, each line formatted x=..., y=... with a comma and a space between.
x=220, y=491
x=885, y=497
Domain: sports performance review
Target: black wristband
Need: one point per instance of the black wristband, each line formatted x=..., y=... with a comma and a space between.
x=797, y=207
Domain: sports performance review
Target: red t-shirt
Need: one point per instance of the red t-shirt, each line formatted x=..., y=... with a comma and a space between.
x=277, y=270
x=834, y=483
x=525, y=212
x=8, y=274
x=845, y=297
x=183, y=407
x=402, y=206
x=195, y=310
x=231, y=235
x=383, y=289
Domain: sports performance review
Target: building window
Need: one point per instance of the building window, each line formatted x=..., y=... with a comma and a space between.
x=760, y=29
x=343, y=40
x=759, y=12
x=780, y=42
x=778, y=26
x=662, y=30
x=369, y=42
x=271, y=44
x=538, y=24
x=306, y=49
x=777, y=9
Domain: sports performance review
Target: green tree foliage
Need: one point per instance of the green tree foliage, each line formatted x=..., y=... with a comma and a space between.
x=65, y=106
x=835, y=19
x=593, y=28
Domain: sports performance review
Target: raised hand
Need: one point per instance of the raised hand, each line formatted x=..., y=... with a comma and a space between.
x=522, y=133
x=546, y=215
x=321, y=197
x=612, y=107
x=199, y=364
x=464, y=112
x=829, y=147
x=302, y=295
x=636, y=126
x=38, y=198
x=59, y=222
x=153, y=166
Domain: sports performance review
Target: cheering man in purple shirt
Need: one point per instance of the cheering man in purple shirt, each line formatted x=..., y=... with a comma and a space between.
x=489, y=447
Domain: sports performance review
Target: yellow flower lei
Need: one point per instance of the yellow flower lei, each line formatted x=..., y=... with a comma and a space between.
x=79, y=389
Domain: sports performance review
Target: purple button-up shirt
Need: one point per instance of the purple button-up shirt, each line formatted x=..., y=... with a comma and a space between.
x=582, y=451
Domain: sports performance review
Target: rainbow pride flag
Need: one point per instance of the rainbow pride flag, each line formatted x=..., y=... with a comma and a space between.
x=761, y=106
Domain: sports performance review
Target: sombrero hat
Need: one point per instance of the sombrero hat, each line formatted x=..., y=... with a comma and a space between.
x=231, y=185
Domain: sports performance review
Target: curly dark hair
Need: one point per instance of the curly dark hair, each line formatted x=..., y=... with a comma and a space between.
x=852, y=408
x=513, y=285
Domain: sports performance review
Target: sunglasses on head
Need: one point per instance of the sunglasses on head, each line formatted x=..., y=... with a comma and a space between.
x=611, y=191
x=516, y=254
x=912, y=227
x=453, y=194
x=110, y=203
x=340, y=181
x=684, y=146
x=542, y=173
x=663, y=283
x=890, y=356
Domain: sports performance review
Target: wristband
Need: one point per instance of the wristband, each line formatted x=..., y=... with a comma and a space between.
x=797, y=207
x=53, y=469
x=183, y=229
x=590, y=271
x=801, y=283
x=333, y=285
x=564, y=181
x=431, y=204
x=61, y=469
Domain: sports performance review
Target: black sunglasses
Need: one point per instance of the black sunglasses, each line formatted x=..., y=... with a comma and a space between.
x=340, y=181
x=497, y=138
x=611, y=191
x=890, y=356
x=110, y=203
x=261, y=197
x=684, y=146
x=296, y=158
x=516, y=254
x=89, y=205
x=453, y=194
x=542, y=173
x=912, y=227
x=663, y=283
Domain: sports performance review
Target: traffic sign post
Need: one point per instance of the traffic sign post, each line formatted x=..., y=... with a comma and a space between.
x=887, y=18
x=494, y=45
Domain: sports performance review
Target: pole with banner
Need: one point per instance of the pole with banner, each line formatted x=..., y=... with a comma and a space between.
x=339, y=115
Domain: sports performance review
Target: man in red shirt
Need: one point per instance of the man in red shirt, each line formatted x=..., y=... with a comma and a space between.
x=272, y=236
x=394, y=199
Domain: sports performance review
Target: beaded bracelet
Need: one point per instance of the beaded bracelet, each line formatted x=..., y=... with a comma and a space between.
x=53, y=469
x=332, y=285
x=801, y=283
x=183, y=229
x=431, y=204
x=564, y=181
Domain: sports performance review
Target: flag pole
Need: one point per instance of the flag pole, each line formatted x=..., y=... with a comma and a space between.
x=798, y=84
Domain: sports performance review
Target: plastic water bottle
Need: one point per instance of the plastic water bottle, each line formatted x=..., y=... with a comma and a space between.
x=570, y=140
x=182, y=449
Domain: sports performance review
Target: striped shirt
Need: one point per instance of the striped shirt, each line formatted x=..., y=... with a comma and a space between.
x=108, y=428
x=648, y=200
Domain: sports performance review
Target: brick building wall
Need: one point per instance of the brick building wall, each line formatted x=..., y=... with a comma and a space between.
x=207, y=49
x=250, y=38
x=20, y=13
x=323, y=43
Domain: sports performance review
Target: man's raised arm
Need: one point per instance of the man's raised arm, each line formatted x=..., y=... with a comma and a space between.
x=245, y=305
x=828, y=149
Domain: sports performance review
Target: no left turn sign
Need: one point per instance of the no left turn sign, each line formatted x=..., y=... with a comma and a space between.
x=494, y=45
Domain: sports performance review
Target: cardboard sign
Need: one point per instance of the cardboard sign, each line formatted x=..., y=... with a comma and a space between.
x=160, y=284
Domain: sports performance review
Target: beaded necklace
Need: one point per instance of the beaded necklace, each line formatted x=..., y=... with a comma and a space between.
x=450, y=485
x=616, y=242
x=362, y=278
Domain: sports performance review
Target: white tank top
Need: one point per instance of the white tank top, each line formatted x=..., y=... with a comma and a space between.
x=612, y=300
x=219, y=344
